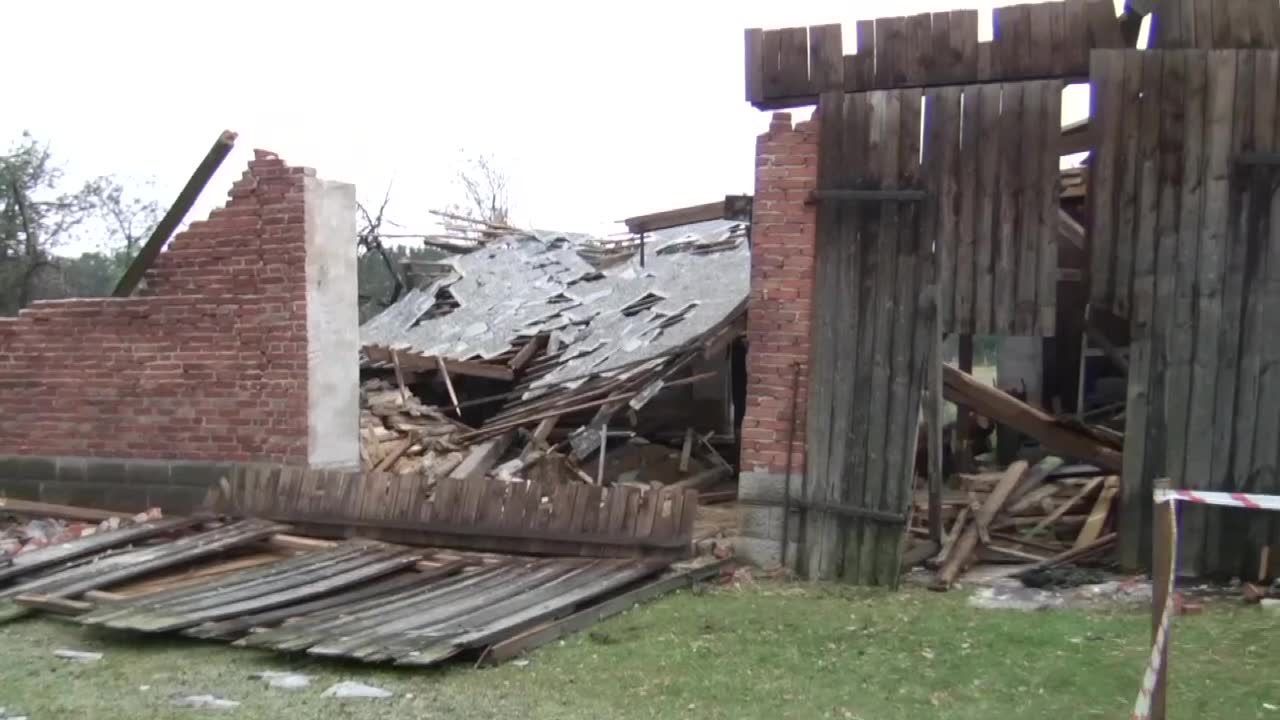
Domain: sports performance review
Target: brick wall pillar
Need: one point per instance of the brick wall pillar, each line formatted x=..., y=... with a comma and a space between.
x=778, y=319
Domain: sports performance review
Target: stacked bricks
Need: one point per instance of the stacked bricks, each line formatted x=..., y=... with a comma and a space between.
x=207, y=362
x=779, y=313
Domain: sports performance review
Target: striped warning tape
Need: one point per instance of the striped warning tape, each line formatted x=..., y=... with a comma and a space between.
x=1166, y=501
x=1142, y=706
x=1229, y=499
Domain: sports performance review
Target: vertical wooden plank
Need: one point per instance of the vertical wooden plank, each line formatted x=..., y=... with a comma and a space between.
x=864, y=153
x=1104, y=26
x=770, y=69
x=887, y=107
x=964, y=44
x=942, y=147
x=919, y=61
x=1221, y=18
x=1003, y=52
x=904, y=400
x=1208, y=294
x=826, y=58
x=965, y=185
x=890, y=52
x=1008, y=198
x=1017, y=34
x=1076, y=38
x=1027, y=229
x=831, y=166
x=753, y=42
x=1244, y=19
x=1223, y=551
x=863, y=68
x=844, y=307
x=1178, y=375
x=942, y=62
x=1106, y=82
x=793, y=61
x=1127, y=178
x=1203, y=24
x=988, y=148
x=1142, y=318
x=985, y=61
x=1047, y=194
x=1060, y=55
x=1258, y=392
x=1040, y=59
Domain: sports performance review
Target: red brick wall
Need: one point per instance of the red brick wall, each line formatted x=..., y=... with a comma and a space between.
x=780, y=307
x=207, y=362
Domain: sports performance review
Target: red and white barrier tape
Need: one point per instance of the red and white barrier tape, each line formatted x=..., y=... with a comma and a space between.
x=1204, y=497
x=1166, y=501
x=1142, y=707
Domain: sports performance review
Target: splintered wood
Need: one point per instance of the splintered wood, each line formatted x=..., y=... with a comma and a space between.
x=400, y=435
x=1022, y=515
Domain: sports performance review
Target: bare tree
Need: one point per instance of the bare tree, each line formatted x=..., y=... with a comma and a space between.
x=484, y=189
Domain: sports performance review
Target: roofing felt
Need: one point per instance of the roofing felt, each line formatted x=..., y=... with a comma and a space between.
x=600, y=306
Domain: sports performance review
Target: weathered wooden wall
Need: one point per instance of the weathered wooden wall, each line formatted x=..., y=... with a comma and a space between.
x=873, y=329
x=1186, y=242
x=790, y=67
x=1215, y=24
x=991, y=154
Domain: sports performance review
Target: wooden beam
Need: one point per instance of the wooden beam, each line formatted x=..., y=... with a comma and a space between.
x=190, y=192
x=414, y=362
x=1077, y=137
x=675, y=218
x=448, y=384
x=482, y=458
x=1002, y=407
x=64, y=512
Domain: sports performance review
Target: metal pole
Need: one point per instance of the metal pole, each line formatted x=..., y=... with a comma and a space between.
x=791, y=439
x=1162, y=553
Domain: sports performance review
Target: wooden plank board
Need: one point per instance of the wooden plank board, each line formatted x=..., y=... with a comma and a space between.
x=1040, y=39
x=964, y=44
x=1009, y=197
x=754, y=74
x=1027, y=228
x=793, y=61
x=943, y=144
x=887, y=108
x=863, y=67
x=826, y=58
x=986, y=222
x=1208, y=292
x=941, y=59
x=1049, y=210
x=1106, y=70
x=918, y=54
x=889, y=51
x=1127, y=179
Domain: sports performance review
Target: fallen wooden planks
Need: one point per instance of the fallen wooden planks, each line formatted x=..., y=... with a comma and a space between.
x=962, y=389
x=46, y=557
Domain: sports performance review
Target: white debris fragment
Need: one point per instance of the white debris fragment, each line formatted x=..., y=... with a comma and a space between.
x=520, y=663
x=81, y=656
x=205, y=702
x=352, y=689
x=283, y=680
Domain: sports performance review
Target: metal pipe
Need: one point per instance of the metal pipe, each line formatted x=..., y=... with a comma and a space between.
x=791, y=439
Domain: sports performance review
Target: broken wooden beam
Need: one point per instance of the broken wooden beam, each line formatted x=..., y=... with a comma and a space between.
x=967, y=543
x=482, y=458
x=181, y=205
x=962, y=389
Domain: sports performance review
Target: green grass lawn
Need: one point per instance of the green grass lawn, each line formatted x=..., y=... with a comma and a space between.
x=773, y=651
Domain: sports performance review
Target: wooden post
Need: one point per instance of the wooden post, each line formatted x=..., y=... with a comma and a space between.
x=1162, y=553
x=962, y=451
x=151, y=249
x=933, y=423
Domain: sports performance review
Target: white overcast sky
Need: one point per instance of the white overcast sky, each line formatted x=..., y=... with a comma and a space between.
x=596, y=110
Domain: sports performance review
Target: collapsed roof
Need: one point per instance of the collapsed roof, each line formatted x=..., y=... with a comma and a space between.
x=599, y=305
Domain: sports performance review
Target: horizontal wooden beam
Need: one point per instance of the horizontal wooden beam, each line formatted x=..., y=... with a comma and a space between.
x=413, y=362
x=675, y=218
x=868, y=195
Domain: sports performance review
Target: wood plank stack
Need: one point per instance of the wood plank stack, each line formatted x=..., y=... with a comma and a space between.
x=401, y=435
x=1022, y=515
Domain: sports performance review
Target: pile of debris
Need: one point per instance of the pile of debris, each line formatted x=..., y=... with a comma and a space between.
x=401, y=435
x=542, y=355
x=1036, y=516
x=19, y=536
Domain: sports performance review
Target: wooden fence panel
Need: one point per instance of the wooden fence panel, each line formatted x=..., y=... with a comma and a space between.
x=1203, y=246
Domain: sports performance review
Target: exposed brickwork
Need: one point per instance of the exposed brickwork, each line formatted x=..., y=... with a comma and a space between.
x=780, y=307
x=208, y=362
